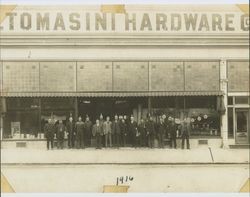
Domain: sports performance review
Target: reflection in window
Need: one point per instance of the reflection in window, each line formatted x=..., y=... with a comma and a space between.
x=205, y=120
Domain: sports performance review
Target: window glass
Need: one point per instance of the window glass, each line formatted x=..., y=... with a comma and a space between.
x=241, y=100
x=230, y=100
x=22, y=118
x=205, y=120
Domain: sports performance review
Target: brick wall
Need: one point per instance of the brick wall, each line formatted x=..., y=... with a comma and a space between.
x=202, y=76
x=94, y=76
x=58, y=76
x=122, y=76
x=238, y=76
x=21, y=76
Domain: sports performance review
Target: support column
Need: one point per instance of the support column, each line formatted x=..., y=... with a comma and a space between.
x=76, y=109
x=149, y=106
x=1, y=126
x=224, y=117
x=139, y=112
x=39, y=116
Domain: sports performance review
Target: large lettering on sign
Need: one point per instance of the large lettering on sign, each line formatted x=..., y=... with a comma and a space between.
x=93, y=21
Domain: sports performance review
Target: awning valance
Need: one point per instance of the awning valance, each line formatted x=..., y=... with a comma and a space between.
x=112, y=94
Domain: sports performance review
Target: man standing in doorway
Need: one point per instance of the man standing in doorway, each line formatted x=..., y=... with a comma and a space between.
x=49, y=130
x=71, y=133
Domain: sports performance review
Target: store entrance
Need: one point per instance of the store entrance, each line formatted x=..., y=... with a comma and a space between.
x=242, y=126
x=93, y=107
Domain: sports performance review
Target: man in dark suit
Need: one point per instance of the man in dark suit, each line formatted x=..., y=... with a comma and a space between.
x=150, y=127
x=161, y=130
x=116, y=130
x=87, y=132
x=79, y=133
x=133, y=130
x=49, y=130
x=142, y=131
x=185, y=133
x=97, y=132
x=172, y=131
x=60, y=130
x=124, y=132
x=71, y=132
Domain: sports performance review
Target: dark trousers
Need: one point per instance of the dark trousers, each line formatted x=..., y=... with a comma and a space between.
x=137, y=141
x=150, y=141
x=117, y=139
x=71, y=140
x=50, y=140
x=79, y=140
x=161, y=140
x=143, y=140
x=123, y=140
x=185, y=137
x=87, y=139
x=98, y=141
x=172, y=141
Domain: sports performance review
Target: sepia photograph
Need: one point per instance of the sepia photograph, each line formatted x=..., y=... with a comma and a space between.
x=121, y=97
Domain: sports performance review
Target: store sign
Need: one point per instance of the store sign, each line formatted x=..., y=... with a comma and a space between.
x=56, y=21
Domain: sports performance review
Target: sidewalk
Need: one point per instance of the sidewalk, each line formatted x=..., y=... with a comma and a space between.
x=133, y=156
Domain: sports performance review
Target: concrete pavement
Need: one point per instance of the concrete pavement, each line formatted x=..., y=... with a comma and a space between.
x=143, y=170
x=125, y=156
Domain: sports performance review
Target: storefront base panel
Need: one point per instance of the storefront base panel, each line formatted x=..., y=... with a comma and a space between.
x=41, y=144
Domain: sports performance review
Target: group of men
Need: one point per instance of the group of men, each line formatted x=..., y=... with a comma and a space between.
x=120, y=132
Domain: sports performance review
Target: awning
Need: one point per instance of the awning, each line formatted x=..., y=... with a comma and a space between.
x=112, y=94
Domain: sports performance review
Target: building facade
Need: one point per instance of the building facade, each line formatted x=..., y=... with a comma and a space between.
x=93, y=60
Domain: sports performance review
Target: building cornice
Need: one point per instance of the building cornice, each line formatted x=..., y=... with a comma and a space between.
x=114, y=39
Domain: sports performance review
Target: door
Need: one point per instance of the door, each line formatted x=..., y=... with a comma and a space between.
x=242, y=126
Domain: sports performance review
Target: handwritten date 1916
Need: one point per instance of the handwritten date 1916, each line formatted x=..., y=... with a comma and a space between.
x=124, y=179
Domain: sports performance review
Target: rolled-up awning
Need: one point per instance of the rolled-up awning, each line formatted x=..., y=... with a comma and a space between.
x=112, y=94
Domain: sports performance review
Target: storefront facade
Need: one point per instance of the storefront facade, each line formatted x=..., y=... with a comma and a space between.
x=138, y=70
